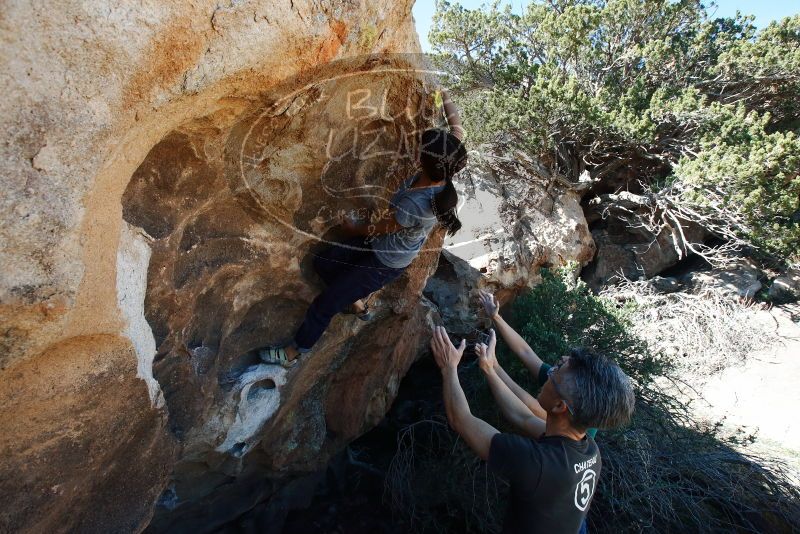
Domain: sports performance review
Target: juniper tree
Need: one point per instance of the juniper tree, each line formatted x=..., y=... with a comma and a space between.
x=702, y=110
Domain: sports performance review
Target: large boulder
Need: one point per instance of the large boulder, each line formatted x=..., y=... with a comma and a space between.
x=451, y=290
x=786, y=287
x=633, y=240
x=169, y=170
x=740, y=279
x=516, y=219
x=516, y=222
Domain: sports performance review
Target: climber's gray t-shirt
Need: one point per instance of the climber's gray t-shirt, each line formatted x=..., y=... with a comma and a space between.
x=414, y=212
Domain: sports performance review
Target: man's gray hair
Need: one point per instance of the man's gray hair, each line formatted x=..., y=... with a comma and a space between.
x=601, y=394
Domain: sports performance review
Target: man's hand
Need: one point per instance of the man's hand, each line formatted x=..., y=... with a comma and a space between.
x=486, y=355
x=477, y=433
x=439, y=95
x=490, y=305
x=445, y=353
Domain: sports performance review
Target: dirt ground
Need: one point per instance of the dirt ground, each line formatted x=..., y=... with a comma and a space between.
x=762, y=396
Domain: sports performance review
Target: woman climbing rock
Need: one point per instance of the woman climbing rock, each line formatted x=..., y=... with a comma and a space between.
x=379, y=251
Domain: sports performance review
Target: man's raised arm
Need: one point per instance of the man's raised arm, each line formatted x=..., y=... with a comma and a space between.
x=514, y=341
x=512, y=406
x=477, y=433
x=519, y=347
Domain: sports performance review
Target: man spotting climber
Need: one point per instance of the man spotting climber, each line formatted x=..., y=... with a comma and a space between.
x=554, y=471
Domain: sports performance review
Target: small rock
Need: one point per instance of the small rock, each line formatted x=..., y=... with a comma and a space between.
x=665, y=284
x=786, y=288
x=737, y=280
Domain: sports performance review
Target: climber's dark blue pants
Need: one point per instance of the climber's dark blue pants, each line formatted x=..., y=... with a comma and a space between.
x=351, y=271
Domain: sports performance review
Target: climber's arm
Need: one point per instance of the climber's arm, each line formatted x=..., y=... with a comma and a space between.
x=452, y=116
x=476, y=432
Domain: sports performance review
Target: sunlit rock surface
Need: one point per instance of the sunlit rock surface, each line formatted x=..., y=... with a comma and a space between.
x=515, y=222
x=739, y=279
x=168, y=170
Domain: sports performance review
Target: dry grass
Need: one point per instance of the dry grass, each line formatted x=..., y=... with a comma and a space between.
x=436, y=484
x=701, y=334
x=682, y=480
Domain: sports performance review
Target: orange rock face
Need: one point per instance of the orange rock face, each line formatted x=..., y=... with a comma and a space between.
x=170, y=171
x=78, y=429
x=233, y=207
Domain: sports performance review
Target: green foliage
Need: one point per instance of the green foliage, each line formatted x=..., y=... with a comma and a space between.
x=657, y=85
x=562, y=313
x=757, y=182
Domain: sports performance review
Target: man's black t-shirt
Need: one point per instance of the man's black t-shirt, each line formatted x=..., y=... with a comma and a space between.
x=552, y=481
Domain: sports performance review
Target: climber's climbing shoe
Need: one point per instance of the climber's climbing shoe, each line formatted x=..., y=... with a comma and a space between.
x=276, y=356
x=365, y=315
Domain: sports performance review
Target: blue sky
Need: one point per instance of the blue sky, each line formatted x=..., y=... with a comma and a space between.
x=764, y=10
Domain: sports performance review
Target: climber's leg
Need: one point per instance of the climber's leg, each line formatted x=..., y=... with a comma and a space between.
x=335, y=259
x=356, y=282
x=331, y=261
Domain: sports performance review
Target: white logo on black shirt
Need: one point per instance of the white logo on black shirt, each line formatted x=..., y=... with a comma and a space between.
x=585, y=489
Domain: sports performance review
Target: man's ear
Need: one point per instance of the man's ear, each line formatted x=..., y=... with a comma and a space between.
x=559, y=407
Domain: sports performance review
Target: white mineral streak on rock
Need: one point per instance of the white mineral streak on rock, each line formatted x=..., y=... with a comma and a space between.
x=258, y=391
x=133, y=258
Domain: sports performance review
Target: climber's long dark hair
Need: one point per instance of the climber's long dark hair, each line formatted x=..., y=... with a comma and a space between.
x=442, y=155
